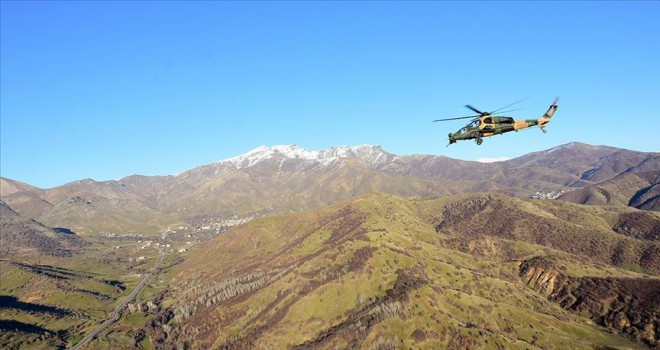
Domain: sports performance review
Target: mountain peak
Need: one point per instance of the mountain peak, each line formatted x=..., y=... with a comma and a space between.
x=370, y=154
x=579, y=146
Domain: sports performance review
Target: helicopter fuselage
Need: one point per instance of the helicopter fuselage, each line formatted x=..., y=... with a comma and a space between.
x=488, y=125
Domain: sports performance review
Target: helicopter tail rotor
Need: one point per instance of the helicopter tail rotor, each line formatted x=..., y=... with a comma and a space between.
x=545, y=119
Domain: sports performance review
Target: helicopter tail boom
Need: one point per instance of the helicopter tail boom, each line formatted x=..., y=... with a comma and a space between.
x=541, y=122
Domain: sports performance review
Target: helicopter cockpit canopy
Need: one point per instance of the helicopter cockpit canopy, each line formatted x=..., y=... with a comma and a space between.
x=472, y=126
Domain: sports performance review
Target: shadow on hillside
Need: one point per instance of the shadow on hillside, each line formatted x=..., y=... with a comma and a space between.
x=50, y=271
x=17, y=326
x=63, y=230
x=10, y=302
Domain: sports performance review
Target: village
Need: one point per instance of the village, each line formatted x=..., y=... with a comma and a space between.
x=179, y=239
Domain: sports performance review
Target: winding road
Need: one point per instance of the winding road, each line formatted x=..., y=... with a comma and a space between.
x=115, y=314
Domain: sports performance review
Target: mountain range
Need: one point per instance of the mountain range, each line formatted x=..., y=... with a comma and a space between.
x=349, y=247
x=285, y=179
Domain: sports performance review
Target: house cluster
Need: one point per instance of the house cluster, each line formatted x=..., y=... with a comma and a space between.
x=225, y=224
x=147, y=244
x=180, y=228
x=140, y=258
x=547, y=194
x=112, y=235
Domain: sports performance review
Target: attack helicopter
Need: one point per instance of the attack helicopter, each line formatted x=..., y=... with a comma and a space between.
x=485, y=124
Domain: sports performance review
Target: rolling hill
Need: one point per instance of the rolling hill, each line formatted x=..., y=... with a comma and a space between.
x=640, y=190
x=26, y=237
x=384, y=272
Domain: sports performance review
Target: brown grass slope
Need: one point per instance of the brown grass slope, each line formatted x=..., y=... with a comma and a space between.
x=639, y=190
x=384, y=272
x=591, y=164
x=86, y=206
x=25, y=199
x=25, y=237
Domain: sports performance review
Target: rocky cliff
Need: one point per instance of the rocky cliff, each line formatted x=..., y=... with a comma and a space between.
x=628, y=306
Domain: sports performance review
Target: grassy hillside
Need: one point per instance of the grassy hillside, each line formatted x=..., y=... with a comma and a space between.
x=385, y=272
x=53, y=301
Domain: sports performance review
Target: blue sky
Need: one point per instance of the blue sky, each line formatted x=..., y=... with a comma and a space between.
x=103, y=90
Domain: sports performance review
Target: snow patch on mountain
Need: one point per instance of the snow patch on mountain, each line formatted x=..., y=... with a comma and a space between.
x=492, y=160
x=370, y=154
x=573, y=146
x=262, y=153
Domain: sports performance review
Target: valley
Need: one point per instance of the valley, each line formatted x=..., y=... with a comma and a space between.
x=351, y=247
x=89, y=286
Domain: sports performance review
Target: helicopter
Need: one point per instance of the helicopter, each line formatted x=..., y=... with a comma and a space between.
x=485, y=124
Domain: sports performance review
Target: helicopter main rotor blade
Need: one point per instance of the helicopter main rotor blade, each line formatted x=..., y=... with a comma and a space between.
x=470, y=116
x=474, y=109
x=509, y=105
x=509, y=110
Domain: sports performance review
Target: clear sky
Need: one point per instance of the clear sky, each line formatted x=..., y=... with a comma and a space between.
x=103, y=90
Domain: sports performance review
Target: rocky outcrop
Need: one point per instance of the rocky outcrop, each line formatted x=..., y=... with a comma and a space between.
x=542, y=275
x=626, y=305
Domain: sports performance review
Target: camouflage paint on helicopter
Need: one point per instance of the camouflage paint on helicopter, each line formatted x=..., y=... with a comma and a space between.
x=484, y=124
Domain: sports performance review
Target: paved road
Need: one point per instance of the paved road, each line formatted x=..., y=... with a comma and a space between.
x=115, y=315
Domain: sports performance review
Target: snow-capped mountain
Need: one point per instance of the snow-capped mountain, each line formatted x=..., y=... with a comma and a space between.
x=370, y=155
x=284, y=178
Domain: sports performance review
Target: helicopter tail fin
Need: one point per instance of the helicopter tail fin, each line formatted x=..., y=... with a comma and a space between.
x=545, y=119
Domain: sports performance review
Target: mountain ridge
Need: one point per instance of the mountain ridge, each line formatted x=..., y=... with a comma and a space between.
x=370, y=154
x=285, y=178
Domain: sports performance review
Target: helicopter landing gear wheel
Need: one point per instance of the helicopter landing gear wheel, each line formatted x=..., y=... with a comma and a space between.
x=477, y=138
